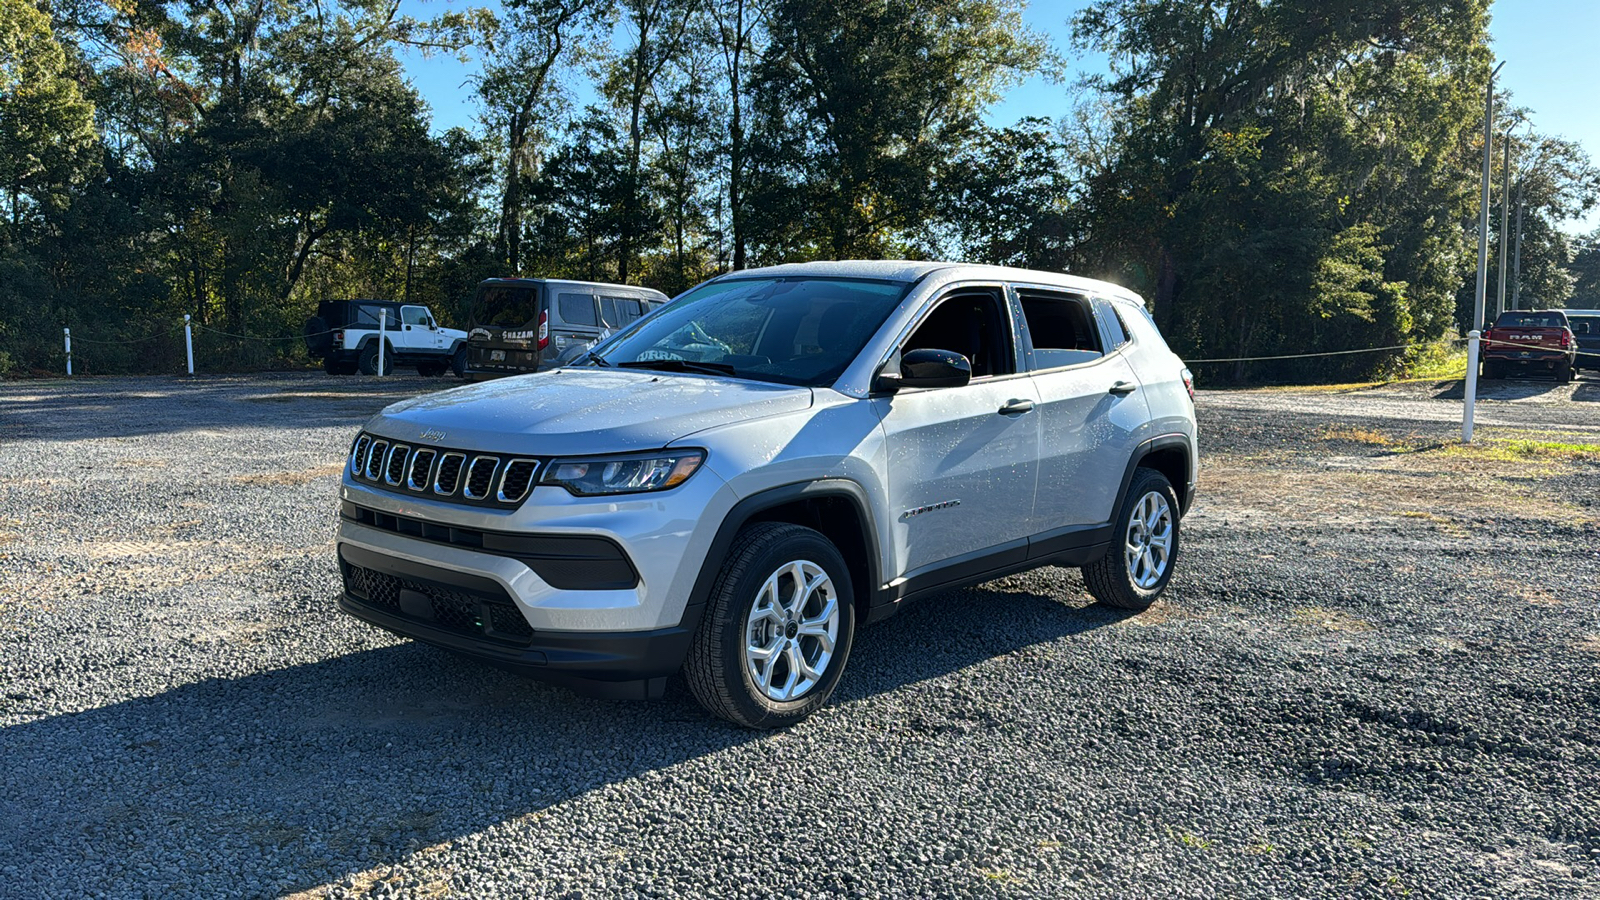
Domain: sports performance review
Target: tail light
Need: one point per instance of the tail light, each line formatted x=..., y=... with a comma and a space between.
x=1188, y=383
x=338, y=338
x=1487, y=336
x=1566, y=339
x=544, y=329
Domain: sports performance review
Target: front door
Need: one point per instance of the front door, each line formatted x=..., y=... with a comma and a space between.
x=415, y=333
x=963, y=460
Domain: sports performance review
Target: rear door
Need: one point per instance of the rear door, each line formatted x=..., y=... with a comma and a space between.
x=1090, y=409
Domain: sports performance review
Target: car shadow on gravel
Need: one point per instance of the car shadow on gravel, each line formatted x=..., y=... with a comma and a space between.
x=1506, y=389
x=61, y=410
x=298, y=777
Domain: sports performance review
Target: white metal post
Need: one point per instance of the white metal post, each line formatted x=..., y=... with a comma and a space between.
x=66, y=334
x=1472, y=386
x=188, y=343
x=383, y=327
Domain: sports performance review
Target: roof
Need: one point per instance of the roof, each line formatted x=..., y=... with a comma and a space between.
x=569, y=281
x=915, y=270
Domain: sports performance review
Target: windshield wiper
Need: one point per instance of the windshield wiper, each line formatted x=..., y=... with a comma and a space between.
x=596, y=360
x=680, y=365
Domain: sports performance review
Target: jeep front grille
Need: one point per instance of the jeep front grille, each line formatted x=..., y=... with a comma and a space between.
x=449, y=473
x=421, y=468
x=477, y=479
x=396, y=467
x=516, y=481
x=480, y=477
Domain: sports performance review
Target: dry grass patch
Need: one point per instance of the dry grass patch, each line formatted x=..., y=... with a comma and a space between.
x=1332, y=620
x=1442, y=488
x=1356, y=435
x=1160, y=613
x=1589, y=644
x=302, y=476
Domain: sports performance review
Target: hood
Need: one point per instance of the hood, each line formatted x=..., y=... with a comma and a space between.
x=583, y=410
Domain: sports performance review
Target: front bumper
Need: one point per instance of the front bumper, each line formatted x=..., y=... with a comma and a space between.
x=475, y=616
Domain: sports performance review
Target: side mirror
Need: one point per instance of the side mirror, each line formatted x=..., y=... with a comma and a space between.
x=926, y=368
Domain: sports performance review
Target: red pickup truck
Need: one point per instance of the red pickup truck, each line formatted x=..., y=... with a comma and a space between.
x=1530, y=342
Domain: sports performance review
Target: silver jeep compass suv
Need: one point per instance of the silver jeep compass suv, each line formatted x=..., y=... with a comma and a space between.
x=732, y=484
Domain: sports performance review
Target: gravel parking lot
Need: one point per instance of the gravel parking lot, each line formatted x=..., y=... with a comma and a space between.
x=1377, y=673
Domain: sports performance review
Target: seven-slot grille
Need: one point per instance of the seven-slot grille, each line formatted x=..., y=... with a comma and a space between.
x=484, y=479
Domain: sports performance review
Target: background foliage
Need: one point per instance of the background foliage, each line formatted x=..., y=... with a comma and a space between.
x=1275, y=177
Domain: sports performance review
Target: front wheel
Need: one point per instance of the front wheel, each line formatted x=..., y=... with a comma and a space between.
x=1144, y=547
x=458, y=362
x=777, y=629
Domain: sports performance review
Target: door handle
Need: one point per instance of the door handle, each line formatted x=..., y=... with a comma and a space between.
x=1016, y=407
x=1124, y=387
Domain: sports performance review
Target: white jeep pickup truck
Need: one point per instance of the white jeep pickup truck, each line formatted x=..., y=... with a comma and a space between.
x=344, y=334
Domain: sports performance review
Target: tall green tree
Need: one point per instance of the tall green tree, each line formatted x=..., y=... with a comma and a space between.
x=859, y=102
x=1286, y=173
x=47, y=139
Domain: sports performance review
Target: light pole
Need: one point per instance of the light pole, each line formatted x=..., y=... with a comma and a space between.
x=1470, y=388
x=1505, y=213
x=1516, y=271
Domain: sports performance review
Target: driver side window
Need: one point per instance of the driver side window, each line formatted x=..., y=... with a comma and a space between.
x=972, y=324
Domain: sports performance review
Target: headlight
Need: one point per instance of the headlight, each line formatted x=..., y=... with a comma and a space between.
x=624, y=474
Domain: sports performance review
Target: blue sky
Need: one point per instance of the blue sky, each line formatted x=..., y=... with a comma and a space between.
x=1549, y=47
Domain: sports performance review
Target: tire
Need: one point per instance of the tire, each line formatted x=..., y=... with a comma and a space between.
x=368, y=363
x=1490, y=371
x=1565, y=375
x=759, y=566
x=458, y=362
x=1110, y=579
x=318, y=337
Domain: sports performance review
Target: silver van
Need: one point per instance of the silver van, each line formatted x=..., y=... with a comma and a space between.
x=517, y=325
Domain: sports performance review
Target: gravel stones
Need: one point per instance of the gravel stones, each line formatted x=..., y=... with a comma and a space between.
x=1383, y=706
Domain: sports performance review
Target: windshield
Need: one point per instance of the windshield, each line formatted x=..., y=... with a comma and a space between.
x=505, y=306
x=1530, y=320
x=802, y=331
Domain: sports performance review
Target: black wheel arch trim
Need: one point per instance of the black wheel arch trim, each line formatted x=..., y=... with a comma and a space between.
x=1185, y=490
x=747, y=509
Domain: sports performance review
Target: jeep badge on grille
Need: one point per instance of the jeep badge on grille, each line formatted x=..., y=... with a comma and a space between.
x=432, y=434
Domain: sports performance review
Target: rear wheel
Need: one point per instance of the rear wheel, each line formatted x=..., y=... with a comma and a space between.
x=1491, y=370
x=1144, y=548
x=1564, y=375
x=777, y=629
x=369, y=360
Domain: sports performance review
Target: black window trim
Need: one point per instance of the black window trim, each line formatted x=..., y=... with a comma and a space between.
x=1017, y=289
x=1004, y=294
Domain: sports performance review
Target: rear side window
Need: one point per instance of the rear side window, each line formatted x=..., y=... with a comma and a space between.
x=1062, y=329
x=577, y=309
x=366, y=314
x=618, y=311
x=1112, y=321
